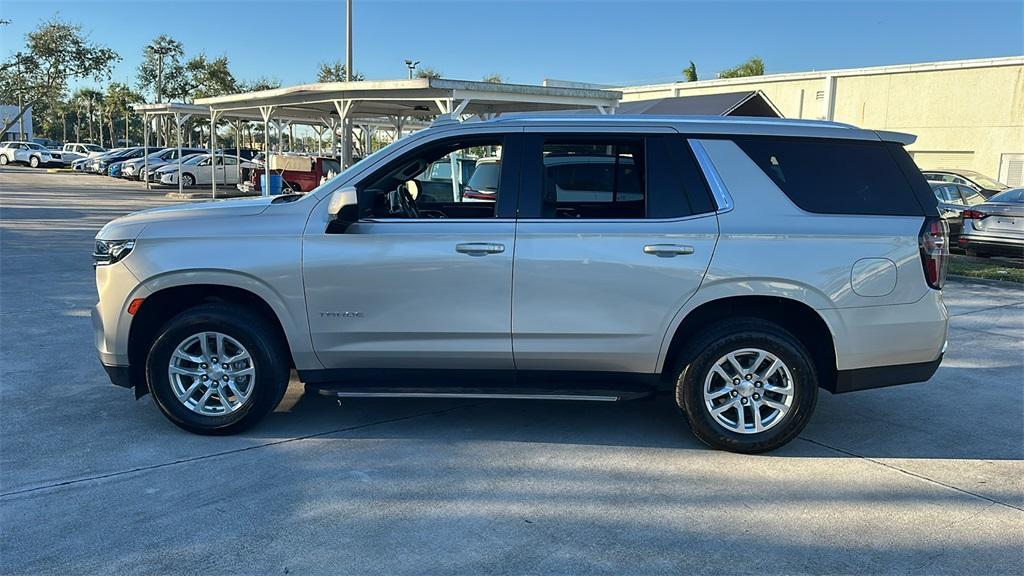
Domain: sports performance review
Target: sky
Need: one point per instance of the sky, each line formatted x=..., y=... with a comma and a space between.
x=619, y=43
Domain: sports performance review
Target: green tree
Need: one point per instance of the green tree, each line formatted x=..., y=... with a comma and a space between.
x=54, y=54
x=427, y=72
x=258, y=84
x=88, y=100
x=690, y=72
x=493, y=78
x=209, y=77
x=162, y=72
x=117, y=102
x=335, y=72
x=752, y=67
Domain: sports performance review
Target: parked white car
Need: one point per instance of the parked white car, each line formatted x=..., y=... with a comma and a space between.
x=199, y=170
x=76, y=150
x=30, y=153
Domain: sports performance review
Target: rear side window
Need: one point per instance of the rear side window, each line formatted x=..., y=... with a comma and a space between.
x=835, y=177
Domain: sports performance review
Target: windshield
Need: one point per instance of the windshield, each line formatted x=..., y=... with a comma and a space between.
x=35, y=146
x=195, y=159
x=988, y=183
x=93, y=148
x=485, y=177
x=1014, y=196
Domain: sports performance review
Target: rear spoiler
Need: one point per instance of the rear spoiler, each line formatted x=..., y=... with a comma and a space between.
x=897, y=137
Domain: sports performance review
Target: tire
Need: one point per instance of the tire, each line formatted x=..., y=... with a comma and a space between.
x=34, y=162
x=3, y=160
x=747, y=338
x=188, y=180
x=263, y=390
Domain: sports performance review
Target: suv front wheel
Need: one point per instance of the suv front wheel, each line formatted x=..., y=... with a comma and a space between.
x=216, y=369
x=751, y=386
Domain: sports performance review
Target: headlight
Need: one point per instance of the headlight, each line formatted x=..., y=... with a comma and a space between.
x=110, y=251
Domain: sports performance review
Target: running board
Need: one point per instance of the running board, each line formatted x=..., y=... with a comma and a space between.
x=478, y=395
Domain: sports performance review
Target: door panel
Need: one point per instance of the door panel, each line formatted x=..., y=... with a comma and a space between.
x=600, y=295
x=412, y=294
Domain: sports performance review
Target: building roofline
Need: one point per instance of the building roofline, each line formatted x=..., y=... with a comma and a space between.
x=866, y=71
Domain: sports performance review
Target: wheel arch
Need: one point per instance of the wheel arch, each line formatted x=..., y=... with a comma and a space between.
x=172, y=295
x=797, y=317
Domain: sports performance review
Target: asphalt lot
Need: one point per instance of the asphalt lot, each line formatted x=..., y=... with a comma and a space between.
x=924, y=479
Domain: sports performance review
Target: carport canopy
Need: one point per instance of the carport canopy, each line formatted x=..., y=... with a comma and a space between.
x=348, y=102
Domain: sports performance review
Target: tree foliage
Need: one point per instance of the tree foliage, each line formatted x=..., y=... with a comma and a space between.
x=161, y=73
x=206, y=78
x=335, y=72
x=55, y=53
x=493, y=78
x=752, y=67
x=258, y=84
x=690, y=72
x=428, y=72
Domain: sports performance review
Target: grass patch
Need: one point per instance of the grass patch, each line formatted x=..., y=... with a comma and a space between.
x=985, y=268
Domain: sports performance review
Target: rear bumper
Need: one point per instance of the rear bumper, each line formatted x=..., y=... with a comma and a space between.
x=992, y=245
x=882, y=376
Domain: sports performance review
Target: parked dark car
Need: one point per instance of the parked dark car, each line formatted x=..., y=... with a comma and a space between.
x=953, y=200
x=995, y=227
x=983, y=184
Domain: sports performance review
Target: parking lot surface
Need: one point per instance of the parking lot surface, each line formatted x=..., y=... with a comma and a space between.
x=925, y=478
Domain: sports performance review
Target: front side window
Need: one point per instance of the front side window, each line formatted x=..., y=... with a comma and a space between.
x=419, y=184
x=593, y=179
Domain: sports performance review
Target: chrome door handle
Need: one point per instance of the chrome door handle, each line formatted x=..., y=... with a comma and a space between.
x=667, y=250
x=479, y=248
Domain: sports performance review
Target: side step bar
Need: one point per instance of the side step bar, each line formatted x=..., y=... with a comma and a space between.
x=478, y=395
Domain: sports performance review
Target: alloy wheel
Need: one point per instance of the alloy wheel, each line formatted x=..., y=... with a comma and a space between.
x=749, y=391
x=212, y=374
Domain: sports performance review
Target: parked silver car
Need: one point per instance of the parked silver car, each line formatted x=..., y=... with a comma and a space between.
x=996, y=227
x=720, y=259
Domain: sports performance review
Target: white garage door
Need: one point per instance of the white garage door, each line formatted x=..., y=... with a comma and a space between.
x=926, y=160
x=1011, y=169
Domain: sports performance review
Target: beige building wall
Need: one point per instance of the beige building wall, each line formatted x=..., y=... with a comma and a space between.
x=965, y=114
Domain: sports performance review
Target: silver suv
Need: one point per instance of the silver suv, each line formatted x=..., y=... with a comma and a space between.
x=739, y=264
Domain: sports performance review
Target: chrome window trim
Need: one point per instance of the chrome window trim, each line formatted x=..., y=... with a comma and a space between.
x=718, y=189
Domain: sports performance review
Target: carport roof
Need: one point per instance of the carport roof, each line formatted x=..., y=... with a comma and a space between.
x=419, y=97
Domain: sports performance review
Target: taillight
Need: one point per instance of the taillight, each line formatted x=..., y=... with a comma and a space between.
x=934, y=244
x=973, y=215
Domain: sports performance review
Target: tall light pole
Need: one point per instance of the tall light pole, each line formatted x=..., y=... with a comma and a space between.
x=348, y=40
x=160, y=52
x=411, y=66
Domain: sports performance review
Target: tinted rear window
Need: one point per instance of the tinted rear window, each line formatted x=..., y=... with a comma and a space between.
x=835, y=177
x=485, y=177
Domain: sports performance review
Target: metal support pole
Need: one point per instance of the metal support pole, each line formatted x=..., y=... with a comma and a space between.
x=238, y=151
x=348, y=40
x=213, y=153
x=266, y=112
x=177, y=127
x=344, y=107
x=145, y=147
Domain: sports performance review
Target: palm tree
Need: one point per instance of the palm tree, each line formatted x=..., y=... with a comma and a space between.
x=88, y=98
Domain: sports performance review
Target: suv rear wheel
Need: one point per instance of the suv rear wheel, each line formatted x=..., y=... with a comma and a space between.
x=751, y=386
x=215, y=369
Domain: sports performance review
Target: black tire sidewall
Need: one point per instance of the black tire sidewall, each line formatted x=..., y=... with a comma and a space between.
x=690, y=388
x=271, y=369
x=188, y=180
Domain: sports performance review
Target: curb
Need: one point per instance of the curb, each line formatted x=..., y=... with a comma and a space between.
x=985, y=281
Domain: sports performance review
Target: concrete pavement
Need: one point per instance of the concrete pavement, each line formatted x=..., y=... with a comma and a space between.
x=925, y=478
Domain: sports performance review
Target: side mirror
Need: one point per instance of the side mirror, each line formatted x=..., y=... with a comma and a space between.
x=342, y=209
